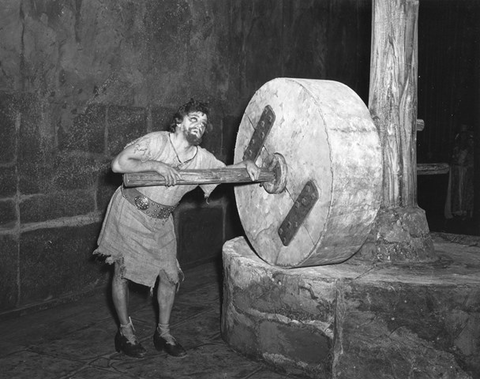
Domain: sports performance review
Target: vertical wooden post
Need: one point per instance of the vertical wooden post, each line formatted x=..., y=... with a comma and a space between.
x=393, y=96
x=401, y=231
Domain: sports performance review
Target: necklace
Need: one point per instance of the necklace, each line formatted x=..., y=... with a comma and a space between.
x=181, y=163
x=174, y=150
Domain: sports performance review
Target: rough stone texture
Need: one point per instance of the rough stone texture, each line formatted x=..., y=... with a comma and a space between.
x=8, y=271
x=60, y=255
x=56, y=205
x=8, y=213
x=87, y=132
x=161, y=117
x=8, y=135
x=72, y=172
x=266, y=309
x=361, y=320
x=124, y=125
x=35, y=148
x=8, y=187
x=409, y=328
x=141, y=53
x=399, y=235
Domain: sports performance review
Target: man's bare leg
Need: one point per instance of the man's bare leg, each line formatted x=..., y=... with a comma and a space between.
x=165, y=297
x=125, y=340
x=162, y=338
x=120, y=295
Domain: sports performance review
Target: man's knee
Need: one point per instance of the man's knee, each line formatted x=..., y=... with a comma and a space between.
x=169, y=279
x=118, y=273
x=167, y=284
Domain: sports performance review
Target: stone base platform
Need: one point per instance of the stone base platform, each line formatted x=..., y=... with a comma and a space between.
x=355, y=319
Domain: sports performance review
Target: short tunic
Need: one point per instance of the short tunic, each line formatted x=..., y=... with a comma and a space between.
x=144, y=246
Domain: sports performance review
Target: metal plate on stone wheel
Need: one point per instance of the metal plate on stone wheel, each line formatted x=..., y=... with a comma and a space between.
x=298, y=213
x=326, y=134
x=260, y=134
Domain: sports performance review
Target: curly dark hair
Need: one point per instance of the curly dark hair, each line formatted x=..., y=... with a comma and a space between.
x=191, y=106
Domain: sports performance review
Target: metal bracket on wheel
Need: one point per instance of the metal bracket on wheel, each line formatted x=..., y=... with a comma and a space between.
x=298, y=213
x=260, y=134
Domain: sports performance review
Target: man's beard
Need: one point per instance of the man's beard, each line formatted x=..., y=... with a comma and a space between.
x=192, y=139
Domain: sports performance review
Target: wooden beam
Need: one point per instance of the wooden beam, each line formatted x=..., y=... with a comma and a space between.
x=432, y=168
x=196, y=177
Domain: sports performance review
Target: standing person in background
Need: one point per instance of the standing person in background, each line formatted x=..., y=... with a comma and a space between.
x=138, y=234
x=460, y=191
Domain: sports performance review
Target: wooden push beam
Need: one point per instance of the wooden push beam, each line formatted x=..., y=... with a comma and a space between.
x=210, y=176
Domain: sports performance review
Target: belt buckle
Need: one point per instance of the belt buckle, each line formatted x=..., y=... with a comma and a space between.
x=141, y=202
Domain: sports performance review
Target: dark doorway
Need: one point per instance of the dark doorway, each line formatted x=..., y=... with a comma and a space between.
x=448, y=98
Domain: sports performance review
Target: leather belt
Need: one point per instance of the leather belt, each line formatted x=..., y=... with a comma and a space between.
x=146, y=205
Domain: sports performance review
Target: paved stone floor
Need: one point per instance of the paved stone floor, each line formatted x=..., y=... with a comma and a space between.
x=75, y=340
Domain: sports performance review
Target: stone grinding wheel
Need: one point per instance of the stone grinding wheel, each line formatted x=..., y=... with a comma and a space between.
x=328, y=139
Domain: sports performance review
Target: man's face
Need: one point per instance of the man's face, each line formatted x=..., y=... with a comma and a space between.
x=193, y=126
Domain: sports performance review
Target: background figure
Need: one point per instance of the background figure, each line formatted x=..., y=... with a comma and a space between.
x=459, y=201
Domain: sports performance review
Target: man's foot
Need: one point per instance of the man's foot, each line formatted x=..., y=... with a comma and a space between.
x=126, y=342
x=122, y=344
x=169, y=344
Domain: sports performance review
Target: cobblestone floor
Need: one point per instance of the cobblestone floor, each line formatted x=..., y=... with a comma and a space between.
x=76, y=340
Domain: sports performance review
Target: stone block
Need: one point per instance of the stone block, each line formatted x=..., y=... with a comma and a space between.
x=52, y=206
x=8, y=272
x=124, y=125
x=8, y=185
x=87, y=132
x=239, y=329
x=10, y=34
x=30, y=148
x=8, y=213
x=8, y=135
x=290, y=316
x=357, y=320
x=414, y=328
x=64, y=170
x=161, y=117
x=300, y=342
x=73, y=172
x=57, y=261
x=34, y=177
x=34, y=151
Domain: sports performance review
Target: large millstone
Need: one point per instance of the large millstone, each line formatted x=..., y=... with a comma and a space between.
x=329, y=141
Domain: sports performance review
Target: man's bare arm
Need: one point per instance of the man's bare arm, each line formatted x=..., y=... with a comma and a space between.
x=252, y=169
x=130, y=161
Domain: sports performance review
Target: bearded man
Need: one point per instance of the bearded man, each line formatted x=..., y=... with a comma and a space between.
x=138, y=234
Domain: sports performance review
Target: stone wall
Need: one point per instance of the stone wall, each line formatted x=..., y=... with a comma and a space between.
x=80, y=79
